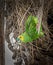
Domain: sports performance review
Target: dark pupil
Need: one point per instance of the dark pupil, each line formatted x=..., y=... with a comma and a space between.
x=20, y=37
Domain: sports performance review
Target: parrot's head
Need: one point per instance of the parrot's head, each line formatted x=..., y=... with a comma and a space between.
x=24, y=38
x=20, y=38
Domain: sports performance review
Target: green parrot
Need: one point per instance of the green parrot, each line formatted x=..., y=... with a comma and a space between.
x=32, y=30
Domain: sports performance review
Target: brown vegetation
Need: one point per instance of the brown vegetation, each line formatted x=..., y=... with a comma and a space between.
x=39, y=50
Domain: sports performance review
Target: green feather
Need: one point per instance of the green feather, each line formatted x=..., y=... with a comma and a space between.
x=31, y=27
x=27, y=38
x=31, y=32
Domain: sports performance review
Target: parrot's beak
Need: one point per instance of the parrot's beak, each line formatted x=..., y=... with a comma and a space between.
x=17, y=39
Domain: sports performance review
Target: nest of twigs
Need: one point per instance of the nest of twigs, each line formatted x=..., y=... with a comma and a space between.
x=17, y=13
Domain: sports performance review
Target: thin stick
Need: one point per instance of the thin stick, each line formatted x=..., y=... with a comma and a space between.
x=25, y=14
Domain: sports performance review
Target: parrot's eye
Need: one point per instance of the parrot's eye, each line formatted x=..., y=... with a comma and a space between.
x=21, y=38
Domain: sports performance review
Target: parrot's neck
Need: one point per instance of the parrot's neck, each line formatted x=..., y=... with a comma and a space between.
x=27, y=38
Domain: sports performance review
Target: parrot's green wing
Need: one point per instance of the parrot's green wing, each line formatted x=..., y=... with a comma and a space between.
x=30, y=27
x=33, y=30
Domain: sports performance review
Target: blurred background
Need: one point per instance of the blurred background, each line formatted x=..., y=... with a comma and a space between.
x=14, y=12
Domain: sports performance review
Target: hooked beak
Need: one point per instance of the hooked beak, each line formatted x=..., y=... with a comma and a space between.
x=17, y=39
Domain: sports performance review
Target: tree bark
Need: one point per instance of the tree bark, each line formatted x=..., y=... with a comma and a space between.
x=1, y=33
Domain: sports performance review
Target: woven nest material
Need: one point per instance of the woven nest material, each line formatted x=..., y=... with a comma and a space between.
x=17, y=13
